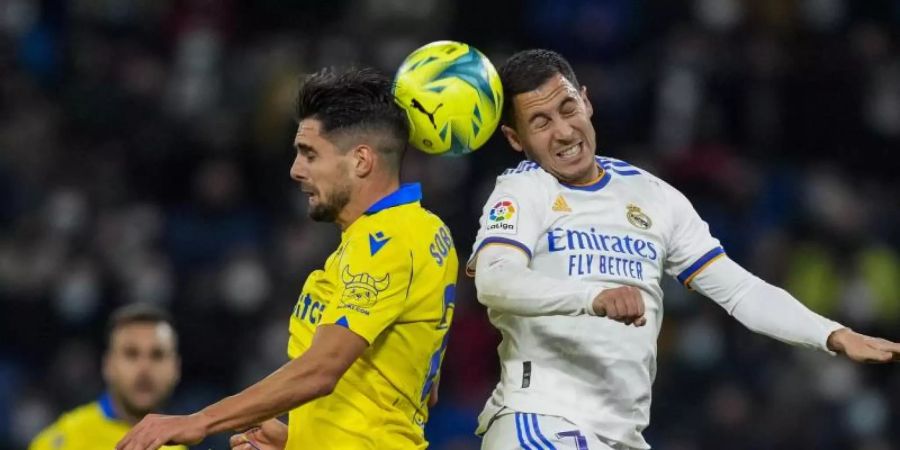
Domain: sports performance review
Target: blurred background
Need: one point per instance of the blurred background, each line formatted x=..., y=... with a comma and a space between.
x=144, y=156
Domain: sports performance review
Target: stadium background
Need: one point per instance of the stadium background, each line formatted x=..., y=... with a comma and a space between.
x=144, y=155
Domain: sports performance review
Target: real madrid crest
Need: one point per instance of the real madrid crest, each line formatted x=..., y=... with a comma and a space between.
x=637, y=217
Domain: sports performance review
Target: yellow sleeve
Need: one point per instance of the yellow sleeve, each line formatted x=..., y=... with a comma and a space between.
x=51, y=438
x=373, y=284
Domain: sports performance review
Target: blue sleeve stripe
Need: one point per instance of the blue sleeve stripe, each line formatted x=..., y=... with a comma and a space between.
x=537, y=431
x=473, y=260
x=687, y=274
x=504, y=241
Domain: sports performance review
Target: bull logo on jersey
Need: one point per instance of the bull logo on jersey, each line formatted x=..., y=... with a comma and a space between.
x=637, y=217
x=361, y=289
x=502, y=216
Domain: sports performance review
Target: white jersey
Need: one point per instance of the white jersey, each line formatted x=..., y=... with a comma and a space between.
x=625, y=228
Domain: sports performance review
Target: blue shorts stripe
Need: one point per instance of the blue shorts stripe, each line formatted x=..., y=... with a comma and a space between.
x=529, y=434
x=537, y=431
x=519, y=432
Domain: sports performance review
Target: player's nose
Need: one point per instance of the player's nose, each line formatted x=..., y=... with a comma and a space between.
x=298, y=172
x=563, y=132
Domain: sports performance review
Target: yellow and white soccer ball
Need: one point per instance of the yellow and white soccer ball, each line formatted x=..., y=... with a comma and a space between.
x=452, y=95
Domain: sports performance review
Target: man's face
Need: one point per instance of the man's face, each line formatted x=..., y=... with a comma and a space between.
x=553, y=128
x=322, y=170
x=141, y=366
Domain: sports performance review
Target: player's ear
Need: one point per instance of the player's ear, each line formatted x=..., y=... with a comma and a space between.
x=512, y=137
x=588, y=107
x=363, y=160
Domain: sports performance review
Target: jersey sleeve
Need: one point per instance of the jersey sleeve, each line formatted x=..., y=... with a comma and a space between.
x=373, y=284
x=513, y=215
x=690, y=247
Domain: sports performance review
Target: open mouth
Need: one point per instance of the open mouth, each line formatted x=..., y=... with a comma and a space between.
x=570, y=153
x=309, y=192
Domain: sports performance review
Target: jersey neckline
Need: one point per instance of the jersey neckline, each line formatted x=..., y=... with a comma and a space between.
x=106, y=406
x=594, y=185
x=406, y=193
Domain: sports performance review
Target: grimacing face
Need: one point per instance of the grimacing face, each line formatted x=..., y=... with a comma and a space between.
x=553, y=127
x=322, y=170
x=141, y=366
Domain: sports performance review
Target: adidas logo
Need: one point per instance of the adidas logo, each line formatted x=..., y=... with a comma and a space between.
x=560, y=205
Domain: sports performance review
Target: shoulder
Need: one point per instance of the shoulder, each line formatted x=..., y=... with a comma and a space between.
x=69, y=422
x=526, y=180
x=634, y=176
x=406, y=223
x=83, y=414
x=389, y=236
x=526, y=172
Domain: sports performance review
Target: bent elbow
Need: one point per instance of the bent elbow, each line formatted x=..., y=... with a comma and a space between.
x=322, y=380
x=323, y=384
x=488, y=290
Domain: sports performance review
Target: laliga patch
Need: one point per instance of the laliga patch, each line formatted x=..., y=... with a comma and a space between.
x=503, y=216
x=361, y=290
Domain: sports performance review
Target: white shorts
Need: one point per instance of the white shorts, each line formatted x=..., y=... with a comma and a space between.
x=524, y=431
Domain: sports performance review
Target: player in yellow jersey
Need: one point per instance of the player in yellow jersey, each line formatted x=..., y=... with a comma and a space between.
x=141, y=367
x=368, y=331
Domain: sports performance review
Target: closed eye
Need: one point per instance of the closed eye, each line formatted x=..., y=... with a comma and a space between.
x=568, y=107
x=539, y=122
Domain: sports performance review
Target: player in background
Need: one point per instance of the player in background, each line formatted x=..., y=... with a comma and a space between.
x=567, y=236
x=141, y=367
x=368, y=332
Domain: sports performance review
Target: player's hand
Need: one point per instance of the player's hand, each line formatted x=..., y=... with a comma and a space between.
x=622, y=304
x=156, y=430
x=862, y=348
x=269, y=435
x=433, y=395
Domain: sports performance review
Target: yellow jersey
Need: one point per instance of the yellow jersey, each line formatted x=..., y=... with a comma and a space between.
x=392, y=281
x=93, y=426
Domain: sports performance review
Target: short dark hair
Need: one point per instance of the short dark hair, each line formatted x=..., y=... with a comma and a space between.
x=136, y=313
x=356, y=101
x=527, y=70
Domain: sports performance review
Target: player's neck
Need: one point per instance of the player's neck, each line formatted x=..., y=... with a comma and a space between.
x=364, y=197
x=590, y=177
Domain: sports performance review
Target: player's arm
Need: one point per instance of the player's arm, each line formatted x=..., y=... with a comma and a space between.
x=505, y=283
x=514, y=218
x=314, y=374
x=697, y=260
x=772, y=311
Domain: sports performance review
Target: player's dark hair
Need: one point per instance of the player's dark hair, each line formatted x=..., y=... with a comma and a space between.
x=527, y=70
x=136, y=313
x=356, y=102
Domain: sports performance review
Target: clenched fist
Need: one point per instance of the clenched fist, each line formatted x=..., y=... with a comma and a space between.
x=622, y=304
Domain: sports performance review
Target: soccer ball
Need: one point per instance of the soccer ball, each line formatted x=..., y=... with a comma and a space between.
x=452, y=95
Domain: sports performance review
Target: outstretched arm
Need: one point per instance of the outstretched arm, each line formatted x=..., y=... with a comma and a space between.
x=505, y=283
x=772, y=311
x=312, y=375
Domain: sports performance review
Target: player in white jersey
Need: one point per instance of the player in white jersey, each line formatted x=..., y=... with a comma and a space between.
x=567, y=236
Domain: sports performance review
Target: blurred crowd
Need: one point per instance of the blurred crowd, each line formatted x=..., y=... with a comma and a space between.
x=144, y=156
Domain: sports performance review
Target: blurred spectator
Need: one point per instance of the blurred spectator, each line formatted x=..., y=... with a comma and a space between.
x=145, y=147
